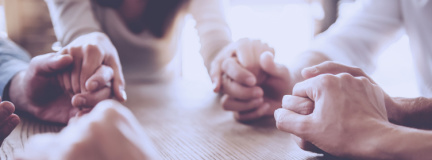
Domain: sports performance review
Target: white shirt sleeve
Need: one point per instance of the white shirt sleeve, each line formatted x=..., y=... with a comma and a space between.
x=71, y=19
x=212, y=27
x=357, y=39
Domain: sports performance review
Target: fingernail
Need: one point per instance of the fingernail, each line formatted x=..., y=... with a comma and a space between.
x=277, y=114
x=257, y=93
x=124, y=96
x=80, y=101
x=312, y=70
x=93, y=85
x=214, y=86
x=251, y=81
x=284, y=98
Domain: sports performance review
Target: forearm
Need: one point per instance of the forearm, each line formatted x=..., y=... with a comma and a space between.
x=403, y=143
x=72, y=18
x=411, y=112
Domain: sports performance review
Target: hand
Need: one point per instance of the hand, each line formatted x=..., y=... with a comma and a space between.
x=393, y=108
x=109, y=131
x=277, y=84
x=38, y=91
x=89, y=53
x=349, y=113
x=236, y=72
x=8, y=120
x=240, y=62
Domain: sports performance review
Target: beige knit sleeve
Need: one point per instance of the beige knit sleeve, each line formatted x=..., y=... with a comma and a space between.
x=71, y=19
x=212, y=27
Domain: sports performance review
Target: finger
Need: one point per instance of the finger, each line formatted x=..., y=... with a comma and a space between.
x=8, y=126
x=232, y=104
x=308, y=87
x=333, y=68
x=89, y=100
x=50, y=63
x=77, y=54
x=101, y=78
x=238, y=91
x=270, y=67
x=238, y=73
x=297, y=104
x=118, y=82
x=6, y=109
x=216, y=75
x=253, y=114
x=91, y=62
x=291, y=122
x=61, y=81
x=67, y=83
x=216, y=66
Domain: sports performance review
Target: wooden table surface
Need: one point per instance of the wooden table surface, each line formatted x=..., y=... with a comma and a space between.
x=185, y=121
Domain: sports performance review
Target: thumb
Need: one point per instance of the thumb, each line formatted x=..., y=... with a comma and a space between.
x=216, y=76
x=291, y=122
x=50, y=63
x=270, y=66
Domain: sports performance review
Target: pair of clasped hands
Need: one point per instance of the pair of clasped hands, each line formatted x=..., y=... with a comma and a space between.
x=58, y=86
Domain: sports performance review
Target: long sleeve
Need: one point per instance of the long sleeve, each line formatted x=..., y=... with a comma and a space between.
x=357, y=39
x=212, y=27
x=12, y=60
x=72, y=18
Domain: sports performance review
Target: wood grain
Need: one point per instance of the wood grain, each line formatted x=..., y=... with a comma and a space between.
x=185, y=121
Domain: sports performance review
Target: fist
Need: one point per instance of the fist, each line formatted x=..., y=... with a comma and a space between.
x=248, y=53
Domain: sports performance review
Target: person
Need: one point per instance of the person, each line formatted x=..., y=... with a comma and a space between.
x=34, y=87
x=140, y=38
x=109, y=131
x=356, y=41
x=344, y=113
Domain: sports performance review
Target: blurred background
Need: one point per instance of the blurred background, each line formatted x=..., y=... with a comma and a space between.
x=287, y=25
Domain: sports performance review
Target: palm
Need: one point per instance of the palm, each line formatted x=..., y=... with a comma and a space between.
x=47, y=98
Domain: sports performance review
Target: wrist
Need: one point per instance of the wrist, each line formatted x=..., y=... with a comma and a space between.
x=401, y=142
x=394, y=107
x=17, y=92
x=411, y=112
x=384, y=142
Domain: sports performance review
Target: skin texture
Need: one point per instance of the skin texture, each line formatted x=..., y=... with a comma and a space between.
x=90, y=52
x=244, y=72
x=362, y=141
x=358, y=114
x=110, y=131
x=39, y=92
x=8, y=120
x=258, y=100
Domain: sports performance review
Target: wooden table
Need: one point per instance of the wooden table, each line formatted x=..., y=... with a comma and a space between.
x=185, y=121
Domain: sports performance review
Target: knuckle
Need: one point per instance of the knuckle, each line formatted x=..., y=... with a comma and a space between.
x=75, y=51
x=328, y=63
x=91, y=48
x=345, y=76
x=327, y=80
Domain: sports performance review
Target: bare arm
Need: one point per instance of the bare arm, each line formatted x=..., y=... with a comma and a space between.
x=411, y=112
x=403, y=143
